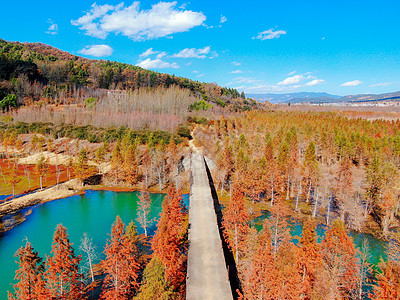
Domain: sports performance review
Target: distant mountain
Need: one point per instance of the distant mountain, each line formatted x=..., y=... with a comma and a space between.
x=293, y=97
x=394, y=96
x=325, y=98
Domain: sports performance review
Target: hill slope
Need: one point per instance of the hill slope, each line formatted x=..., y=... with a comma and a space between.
x=34, y=70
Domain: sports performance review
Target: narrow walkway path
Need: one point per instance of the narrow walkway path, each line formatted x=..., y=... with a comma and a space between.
x=207, y=274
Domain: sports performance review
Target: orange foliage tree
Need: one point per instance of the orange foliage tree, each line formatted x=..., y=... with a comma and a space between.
x=120, y=265
x=170, y=240
x=389, y=278
x=338, y=276
x=130, y=165
x=310, y=258
x=343, y=185
x=258, y=272
x=235, y=222
x=62, y=275
x=29, y=274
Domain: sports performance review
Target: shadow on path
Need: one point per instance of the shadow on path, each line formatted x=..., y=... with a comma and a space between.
x=229, y=258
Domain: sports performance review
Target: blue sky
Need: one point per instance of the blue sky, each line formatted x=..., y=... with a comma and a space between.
x=340, y=47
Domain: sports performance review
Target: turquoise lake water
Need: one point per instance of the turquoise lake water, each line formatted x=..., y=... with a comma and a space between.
x=93, y=213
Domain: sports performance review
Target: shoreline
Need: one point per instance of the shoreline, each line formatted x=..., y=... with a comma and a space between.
x=69, y=188
x=63, y=190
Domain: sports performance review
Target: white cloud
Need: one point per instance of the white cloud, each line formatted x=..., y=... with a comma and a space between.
x=97, y=50
x=53, y=28
x=264, y=88
x=314, y=82
x=87, y=22
x=162, y=20
x=236, y=72
x=156, y=64
x=269, y=34
x=223, y=19
x=196, y=72
x=161, y=54
x=292, y=73
x=381, y=84
x=292, y=80
x=290, y=84
x=352, y=83
x=193, y=53
x=200, y=75
x=235, y=63
x=148, y=52
x=243, y=80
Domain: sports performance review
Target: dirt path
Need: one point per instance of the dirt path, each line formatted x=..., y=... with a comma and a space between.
x=207, y=276
x=191, y=142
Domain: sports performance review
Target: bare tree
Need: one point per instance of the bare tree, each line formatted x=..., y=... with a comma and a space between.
x=144, y=211
x=90, y=252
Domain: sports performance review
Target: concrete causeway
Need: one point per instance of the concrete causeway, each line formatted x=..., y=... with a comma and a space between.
x=207, y=275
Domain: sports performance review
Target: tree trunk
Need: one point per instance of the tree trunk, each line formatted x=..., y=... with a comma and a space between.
x=329, y=210
x=91, y=268
x=298, y=196
x=316, y=203
x=309, y=192
x=288, y=187
x=272, y=191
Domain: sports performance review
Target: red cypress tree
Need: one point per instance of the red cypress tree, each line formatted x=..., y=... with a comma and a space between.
x=388, y=281
x=29, y=273
x=258, y=272
x=170, y=241
x=119, y=265
x=62, y=275
x=235, y=222
x=41, y=291
x=338, y=276
x=343, y=185
x=310, y=258
x=288, y=282
x=389, y=278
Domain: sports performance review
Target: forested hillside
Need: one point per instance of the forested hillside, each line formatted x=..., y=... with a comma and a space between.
x=35, y=71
